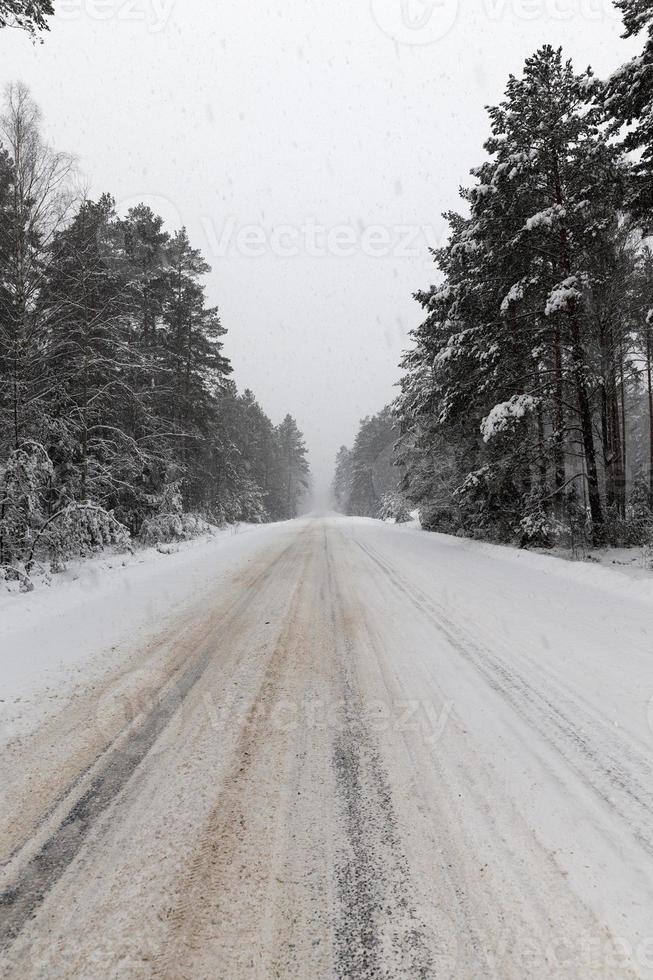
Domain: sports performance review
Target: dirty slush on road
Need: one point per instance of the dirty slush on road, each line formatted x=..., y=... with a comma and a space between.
x=296, y=868
x=302, y=779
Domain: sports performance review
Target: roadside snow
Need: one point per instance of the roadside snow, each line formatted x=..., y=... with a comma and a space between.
x=103, y=608
x=621, y=571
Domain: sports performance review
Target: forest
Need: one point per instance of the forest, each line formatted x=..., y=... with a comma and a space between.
x=366, y=480
x=526, y=405
x=119, y=419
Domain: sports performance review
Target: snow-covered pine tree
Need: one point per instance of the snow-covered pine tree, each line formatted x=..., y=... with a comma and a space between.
x=372, y=474
x=642, y=316
x=27, y=15
x=192, y=343
x=291, y=476
x=7, y=330
x=36, y=204
x=341, y=485
x=116, y=408
x=628, y=100
x=611, y=321
x=239, y=465
x=105, y=437
x=573, y=178
x=509, y=335
x=256, y=439
x=146, y=243
x=444, y=387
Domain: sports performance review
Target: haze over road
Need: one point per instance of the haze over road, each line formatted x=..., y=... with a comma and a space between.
x=372, y=753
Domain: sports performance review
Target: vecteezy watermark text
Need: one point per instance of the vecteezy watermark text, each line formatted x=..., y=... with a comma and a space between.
x=420, y=22
x=415, y=718
x=316, y=240
x=153, y=14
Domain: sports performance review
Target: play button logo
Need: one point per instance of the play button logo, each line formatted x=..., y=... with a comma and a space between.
x=415, y=22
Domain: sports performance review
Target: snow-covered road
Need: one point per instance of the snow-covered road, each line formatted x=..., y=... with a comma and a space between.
x=361, y=751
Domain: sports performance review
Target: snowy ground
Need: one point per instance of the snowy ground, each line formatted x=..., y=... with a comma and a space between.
x=636, y=562
x=99, y=612
x=332, y=748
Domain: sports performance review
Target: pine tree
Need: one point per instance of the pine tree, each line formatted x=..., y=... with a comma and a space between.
x=193, y=349
x=291, y=471
x=642, y=315
x=372, y=472
x=239, y=493
x=341, y=486
x=117, y=413
x=27, y=15
x=573, y=180
x=146, y=244
x=36, y=205
x=99, y=390
x=257, y=440
x=505, y=367
x=628, y=100
x=7, y=342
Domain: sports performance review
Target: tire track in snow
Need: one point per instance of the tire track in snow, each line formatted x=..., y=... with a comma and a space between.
x=378, y=932
x=238, y=900
x=21, y=899
x=603, y=772
x=224, y=891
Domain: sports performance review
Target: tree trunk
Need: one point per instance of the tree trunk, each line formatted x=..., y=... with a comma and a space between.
x=558, y=422
x=84, y=413
x=542, y=453
x=582, y=395
x=615, y=491
x=607, y=432
x=624, y=443
x=585, y=413
x=619, y=449
x=649, y=374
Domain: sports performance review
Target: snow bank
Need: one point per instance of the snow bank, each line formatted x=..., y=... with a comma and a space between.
x=103, y=608
x=618, y=571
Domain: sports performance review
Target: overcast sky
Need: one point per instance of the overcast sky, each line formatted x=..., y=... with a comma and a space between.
x=309, y=148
